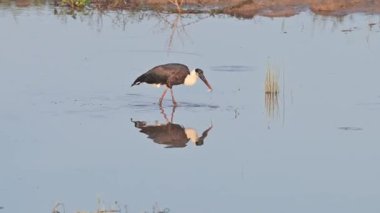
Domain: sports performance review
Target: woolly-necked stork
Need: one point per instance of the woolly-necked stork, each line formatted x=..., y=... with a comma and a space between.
x=171, y=134
x=170, y=75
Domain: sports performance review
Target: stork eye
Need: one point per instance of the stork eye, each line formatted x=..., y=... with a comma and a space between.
x=199, y=71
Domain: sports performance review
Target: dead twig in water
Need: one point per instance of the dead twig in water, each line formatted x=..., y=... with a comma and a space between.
x=174, y=29
x=178, y=4
x=175, y=26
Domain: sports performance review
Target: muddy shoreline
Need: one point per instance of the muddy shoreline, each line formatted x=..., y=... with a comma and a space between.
x=238, y=8
x=282, y=8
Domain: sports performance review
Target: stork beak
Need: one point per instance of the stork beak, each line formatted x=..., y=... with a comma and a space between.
x=203, y=78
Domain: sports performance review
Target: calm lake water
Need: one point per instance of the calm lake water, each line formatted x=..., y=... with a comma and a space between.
x=67, y=108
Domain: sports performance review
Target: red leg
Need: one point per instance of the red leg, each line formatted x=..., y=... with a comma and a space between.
x=173, y=111
x=164, y=114
x=162, y=96
x=173, y=99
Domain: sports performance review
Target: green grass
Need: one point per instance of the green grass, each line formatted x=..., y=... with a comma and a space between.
x=75, y=4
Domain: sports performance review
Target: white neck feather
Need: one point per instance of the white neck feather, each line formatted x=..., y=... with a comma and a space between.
x=191, y=134
x=191, y=79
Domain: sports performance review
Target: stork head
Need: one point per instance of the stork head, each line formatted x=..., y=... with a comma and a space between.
x=200, y=74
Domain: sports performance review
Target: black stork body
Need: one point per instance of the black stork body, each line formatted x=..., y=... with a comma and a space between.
x=171, y=75
x=170, y=134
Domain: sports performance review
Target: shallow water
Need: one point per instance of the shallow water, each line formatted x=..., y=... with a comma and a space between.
x=67, y=106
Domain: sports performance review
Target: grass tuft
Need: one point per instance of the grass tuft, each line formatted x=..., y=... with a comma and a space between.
x=271, y=92
x=271, y=82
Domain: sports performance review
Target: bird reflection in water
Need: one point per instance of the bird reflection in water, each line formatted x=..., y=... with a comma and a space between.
x=171, y=134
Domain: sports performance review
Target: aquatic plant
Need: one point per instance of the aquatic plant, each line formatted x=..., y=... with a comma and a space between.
x=271, y=92
x=75, y=4
x=271, y=81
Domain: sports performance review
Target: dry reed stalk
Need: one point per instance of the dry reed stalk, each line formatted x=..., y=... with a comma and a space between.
x=271, y=82
x=178, y=4
x=271, y=92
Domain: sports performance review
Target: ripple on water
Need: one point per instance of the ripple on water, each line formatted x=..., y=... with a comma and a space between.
x=350, y=128
x=145, y=103
x=197, y=105
x=168, y=104
x=232, y=68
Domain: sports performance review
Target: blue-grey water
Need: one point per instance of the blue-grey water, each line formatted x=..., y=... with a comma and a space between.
x=66, y=133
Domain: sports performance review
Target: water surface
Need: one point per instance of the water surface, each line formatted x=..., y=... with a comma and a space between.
x=66, y=110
